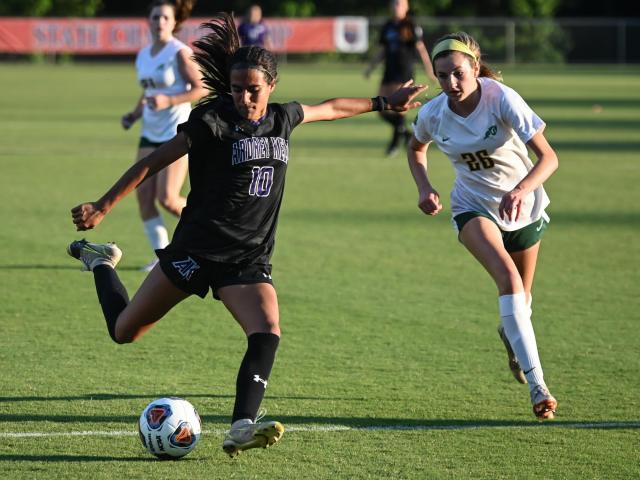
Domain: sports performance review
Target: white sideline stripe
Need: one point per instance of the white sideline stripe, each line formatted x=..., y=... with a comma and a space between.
x=341, y=428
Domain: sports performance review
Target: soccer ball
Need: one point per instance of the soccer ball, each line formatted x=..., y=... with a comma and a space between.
x=169, y=428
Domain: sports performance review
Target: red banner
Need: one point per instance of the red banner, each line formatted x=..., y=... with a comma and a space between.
x=127, y=36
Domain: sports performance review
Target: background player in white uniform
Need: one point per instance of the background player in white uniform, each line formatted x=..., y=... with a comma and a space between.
x=497, y=201
x=171, y=81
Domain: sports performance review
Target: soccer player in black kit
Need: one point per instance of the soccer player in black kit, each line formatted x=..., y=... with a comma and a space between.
x=238, y=154
x=400, y=40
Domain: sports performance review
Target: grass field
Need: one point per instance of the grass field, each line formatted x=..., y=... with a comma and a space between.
x=389, y=366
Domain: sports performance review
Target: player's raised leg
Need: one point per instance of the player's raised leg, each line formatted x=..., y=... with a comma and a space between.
x=255, y=308
x=126, y=320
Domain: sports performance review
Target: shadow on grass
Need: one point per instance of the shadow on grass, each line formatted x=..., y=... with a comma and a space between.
x=40, y=266
x=76, y=458
x=311, y=423
x=588, y=218
x=149, y=397
x=404, y=217
x=604, y=146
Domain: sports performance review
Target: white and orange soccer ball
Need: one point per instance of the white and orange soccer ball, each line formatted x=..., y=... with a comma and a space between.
x=169, y=428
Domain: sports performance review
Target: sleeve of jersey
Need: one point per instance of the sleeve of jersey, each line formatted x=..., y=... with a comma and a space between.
x=196, y=130
x=294, y=113
x=520, y=116
x=420, y=130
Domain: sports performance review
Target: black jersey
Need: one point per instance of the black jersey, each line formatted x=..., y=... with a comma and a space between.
x=399, y=43
x=237, y=172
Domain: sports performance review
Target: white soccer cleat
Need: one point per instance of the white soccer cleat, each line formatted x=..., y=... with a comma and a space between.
x=544, y=404
x=514, y=366
x=245, y=434
x=93, y=254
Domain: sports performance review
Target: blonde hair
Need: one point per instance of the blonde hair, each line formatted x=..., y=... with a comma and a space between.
x=472, y=44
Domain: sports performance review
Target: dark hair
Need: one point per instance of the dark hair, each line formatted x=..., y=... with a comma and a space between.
x=469, y=41
x=182, y=9
x=219, y=52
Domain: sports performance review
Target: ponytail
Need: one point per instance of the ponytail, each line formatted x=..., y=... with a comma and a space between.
x=219, y=52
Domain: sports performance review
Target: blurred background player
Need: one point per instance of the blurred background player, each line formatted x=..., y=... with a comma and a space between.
x=497, y=201
x=253, y=30
x=238, y=145
x=400, y=40
x=170, y=81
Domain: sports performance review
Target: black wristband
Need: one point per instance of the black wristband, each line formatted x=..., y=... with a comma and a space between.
x=379, y=104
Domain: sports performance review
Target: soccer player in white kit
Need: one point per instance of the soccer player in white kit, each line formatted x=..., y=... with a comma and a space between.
x=497, y=200
x=171, y=81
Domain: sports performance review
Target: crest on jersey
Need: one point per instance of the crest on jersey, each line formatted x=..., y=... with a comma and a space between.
x=186, y=267
x=491, y=131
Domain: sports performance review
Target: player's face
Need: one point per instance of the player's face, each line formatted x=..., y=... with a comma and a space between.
x=457, y=75
x=255, y=14
x=399, y=9
x=162, y=21
x=250, y=91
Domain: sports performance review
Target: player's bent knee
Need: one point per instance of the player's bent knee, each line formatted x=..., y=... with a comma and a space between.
x=125, y=335
x=122, y=339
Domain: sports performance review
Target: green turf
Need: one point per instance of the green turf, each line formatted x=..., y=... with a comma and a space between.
x=387, y=321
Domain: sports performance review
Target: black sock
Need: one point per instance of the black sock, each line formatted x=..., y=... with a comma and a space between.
x=254, y=374
x=112, y=295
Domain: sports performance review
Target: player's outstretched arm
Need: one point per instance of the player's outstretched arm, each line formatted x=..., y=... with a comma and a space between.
x=88, y=215
x=400, y=101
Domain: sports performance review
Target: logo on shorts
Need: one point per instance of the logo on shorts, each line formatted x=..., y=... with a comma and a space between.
x=539, y=227
x=186, y=267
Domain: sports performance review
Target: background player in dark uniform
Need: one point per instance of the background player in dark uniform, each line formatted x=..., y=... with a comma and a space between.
x=238, y=154
x=400, y=39
x=253, y=30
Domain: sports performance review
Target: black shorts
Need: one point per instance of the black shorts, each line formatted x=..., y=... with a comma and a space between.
x=195, y=275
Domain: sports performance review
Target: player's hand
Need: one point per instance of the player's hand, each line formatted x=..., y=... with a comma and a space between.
x=429, y=202
x=402, y=99
x=511, y=205
x=127, y=120
x=158, y=102
x=86, y=216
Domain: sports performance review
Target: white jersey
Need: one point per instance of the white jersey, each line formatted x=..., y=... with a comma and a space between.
x=487, y=149
x=160, y=74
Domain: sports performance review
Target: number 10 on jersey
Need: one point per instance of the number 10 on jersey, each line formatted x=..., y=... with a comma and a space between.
x=261, y=181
